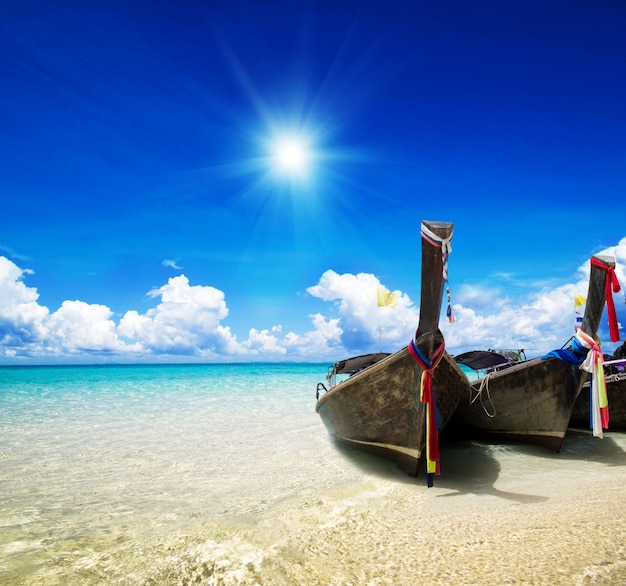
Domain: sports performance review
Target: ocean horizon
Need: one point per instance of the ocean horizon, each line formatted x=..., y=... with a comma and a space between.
x=224, y=474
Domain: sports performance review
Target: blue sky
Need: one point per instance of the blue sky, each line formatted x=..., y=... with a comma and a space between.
x=144, y=217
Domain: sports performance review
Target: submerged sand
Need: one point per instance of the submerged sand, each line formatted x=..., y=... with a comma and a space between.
x=519, y=516
x=497, y=515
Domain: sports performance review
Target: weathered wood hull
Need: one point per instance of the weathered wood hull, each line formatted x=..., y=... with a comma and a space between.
x=530, y=402
x=379, y=410
x=616, y=394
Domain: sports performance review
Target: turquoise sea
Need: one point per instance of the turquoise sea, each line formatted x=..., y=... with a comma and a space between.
x=224, y=474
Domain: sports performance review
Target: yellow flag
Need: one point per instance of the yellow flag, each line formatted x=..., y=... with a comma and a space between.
x=578, y=301
x=385, y=298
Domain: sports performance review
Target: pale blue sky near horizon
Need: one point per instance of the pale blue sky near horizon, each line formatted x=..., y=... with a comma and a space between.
x=137, y=142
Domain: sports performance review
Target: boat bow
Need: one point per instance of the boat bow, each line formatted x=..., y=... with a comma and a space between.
x=380, y=408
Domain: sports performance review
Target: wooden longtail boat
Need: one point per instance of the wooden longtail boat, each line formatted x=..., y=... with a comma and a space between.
x=532, y=400
x=379, y=409
x=615, y=378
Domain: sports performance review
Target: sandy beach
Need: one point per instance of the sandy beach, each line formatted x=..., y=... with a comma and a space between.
x=513, y=515
x=516, y=517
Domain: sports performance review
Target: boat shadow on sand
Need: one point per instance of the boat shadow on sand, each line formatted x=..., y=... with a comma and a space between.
x=579, y=444
x=472, y=467
x=469, y=469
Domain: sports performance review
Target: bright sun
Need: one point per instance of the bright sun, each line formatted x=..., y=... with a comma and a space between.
x=291, y=156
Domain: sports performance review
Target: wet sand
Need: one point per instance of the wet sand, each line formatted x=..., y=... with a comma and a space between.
x=513, y=516
x=497, y=515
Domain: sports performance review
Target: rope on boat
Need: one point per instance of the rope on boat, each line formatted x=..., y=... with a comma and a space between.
x=446, y=248
x=612, y=286
x=609, y=379
x=427, y=397
x=484, y=388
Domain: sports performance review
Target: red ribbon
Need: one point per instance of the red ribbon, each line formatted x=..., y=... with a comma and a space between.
x=433, y=436
x=612, y=286
x=428, y=398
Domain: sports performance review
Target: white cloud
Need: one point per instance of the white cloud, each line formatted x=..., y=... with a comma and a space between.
x=29, y=329
x=543, y=321
x=364, y=325
x=263, y=343
x=21, y=317
x=187, y=322
x=323, y=342
x=172, y=264
x=80, y=327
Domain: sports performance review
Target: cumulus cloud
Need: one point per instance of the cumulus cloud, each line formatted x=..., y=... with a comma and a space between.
x=188, y=322
x=324, y=341
x=21, y=317
x=185, y=322
x=364, y=325
x=78, y=327
x=544, y=320
x=265, y=342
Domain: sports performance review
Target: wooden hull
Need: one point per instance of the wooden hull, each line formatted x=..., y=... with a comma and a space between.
x=530, y=402
x=379, y=410
x=616, y=394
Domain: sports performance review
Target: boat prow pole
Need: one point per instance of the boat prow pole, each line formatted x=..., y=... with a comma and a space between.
x=427, y=346
x=596, y=295
x=428, y=336
x=599, y=294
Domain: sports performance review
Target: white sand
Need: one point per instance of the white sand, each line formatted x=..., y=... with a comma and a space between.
x=513, y=516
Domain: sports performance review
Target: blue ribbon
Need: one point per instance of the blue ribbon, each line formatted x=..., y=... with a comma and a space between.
x=575, y=355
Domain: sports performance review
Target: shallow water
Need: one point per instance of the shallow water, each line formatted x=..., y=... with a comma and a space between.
x=224, y=474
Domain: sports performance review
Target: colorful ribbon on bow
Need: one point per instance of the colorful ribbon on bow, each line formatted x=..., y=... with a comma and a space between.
x=598, y=400
x=446, y=249
x=427, y=397
x=612, y=286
